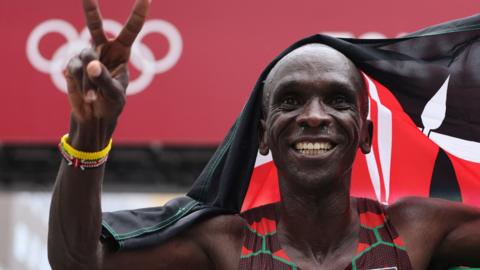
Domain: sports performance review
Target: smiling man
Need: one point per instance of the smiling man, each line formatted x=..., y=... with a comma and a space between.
x=314, y=121
x=315, y=105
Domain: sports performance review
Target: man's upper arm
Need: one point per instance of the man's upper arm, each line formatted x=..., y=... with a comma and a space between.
x=438, y=233
x=214, y=243
x=182, y=252
x=461, y=243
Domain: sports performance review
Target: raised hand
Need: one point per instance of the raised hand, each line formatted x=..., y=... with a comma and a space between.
x=97, y=78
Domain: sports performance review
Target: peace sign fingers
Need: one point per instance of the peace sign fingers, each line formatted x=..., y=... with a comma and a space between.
x=94, y=21
x=134, y=23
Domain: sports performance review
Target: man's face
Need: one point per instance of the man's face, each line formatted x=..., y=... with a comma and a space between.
x=315, y=115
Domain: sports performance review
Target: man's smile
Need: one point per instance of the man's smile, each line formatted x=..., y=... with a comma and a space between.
x=313, y=148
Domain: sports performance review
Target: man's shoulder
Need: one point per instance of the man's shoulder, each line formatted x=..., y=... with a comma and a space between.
x=419, y=208
x=425, y=219
x=415, y=211
x=220, y=237
x=217, y=226
x=430, y=227
x=411, y=206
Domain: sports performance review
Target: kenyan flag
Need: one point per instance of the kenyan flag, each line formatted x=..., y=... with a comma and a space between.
x=424, y=102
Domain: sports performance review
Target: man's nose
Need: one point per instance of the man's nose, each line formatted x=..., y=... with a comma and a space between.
x=314, y=115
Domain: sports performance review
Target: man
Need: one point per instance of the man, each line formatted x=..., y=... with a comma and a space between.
x=315, y=107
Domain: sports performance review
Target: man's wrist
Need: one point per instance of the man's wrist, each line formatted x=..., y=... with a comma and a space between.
x=87, y=143
x=90, y=137
x=81, y=159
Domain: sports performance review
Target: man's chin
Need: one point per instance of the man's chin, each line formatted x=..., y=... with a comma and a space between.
x=311, y=177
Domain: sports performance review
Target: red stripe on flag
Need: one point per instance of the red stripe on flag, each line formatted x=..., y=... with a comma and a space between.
x=263, y=188
x=413, y=154
x=468, y=176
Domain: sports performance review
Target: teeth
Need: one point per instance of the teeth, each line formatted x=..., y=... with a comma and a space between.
x=311, y=148
x=312, y=152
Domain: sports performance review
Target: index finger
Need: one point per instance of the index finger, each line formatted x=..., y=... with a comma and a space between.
x=134, y=23
x=94, y=21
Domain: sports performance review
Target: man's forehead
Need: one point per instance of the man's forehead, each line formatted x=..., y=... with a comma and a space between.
x=312, y=61
x=314, y=53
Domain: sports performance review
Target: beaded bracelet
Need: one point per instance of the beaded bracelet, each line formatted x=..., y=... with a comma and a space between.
x=81, y=159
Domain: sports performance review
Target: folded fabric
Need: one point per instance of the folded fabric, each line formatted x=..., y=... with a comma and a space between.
x=412, y=69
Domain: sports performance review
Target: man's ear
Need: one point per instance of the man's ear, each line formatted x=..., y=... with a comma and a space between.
x=366, y=139
x=262, y=139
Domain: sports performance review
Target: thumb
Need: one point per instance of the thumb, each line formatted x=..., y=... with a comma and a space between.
x=99, y=75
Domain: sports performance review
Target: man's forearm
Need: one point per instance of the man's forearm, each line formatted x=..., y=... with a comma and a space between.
x=75, y=218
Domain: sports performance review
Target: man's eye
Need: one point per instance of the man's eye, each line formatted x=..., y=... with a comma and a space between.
x=290, y=101
x=339, y=100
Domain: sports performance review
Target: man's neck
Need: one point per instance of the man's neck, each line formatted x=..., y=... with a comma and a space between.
x=320, y=222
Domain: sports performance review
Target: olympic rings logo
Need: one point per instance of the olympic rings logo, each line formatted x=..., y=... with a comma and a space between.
x=142, y=58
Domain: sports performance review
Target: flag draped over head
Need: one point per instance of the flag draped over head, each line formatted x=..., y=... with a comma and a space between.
x=423, y=88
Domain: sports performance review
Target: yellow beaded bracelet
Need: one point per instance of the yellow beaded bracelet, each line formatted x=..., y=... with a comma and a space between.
x=85, y=156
